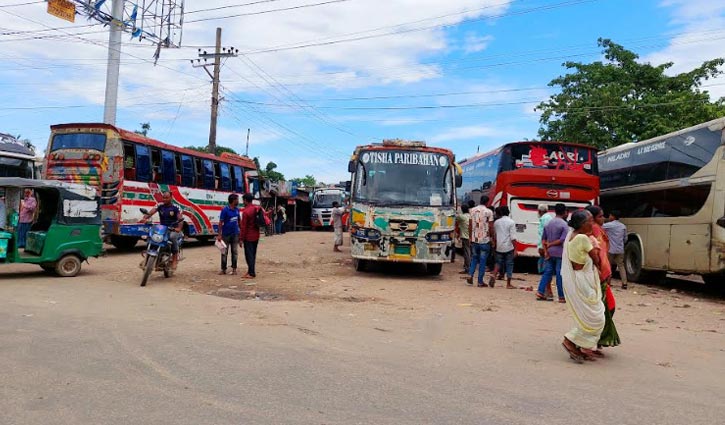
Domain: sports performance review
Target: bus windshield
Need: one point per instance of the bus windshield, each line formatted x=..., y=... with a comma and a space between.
x=325, y=200
x=15, y=167
x=550, y=156
x=94, y=141
x=404, y=178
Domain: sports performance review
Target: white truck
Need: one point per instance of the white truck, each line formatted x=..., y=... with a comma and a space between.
x=322, y=200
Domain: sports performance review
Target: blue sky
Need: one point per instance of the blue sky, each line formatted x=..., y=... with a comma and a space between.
x=308, y=107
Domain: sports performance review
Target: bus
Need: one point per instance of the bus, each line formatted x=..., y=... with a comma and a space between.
x=16, y=159
x=131, y=171
x=670, y=193
x=524, y=175
x=403, y=204
x=322, y=200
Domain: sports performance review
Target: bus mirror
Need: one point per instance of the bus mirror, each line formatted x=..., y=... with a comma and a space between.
x=721, y=221
x=459, y=180
x=351, y=166
x=348, y=186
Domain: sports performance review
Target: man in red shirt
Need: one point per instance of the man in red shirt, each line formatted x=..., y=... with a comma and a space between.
x=249, y=238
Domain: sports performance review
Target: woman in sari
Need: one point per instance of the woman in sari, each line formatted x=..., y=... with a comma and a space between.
x=609, y=337
x=582, y=289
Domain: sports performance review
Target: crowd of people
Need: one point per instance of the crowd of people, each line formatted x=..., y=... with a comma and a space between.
x=578, y=255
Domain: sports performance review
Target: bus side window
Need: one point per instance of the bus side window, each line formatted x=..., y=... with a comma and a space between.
x=143, y=163
x=156, y=165
x=217, y=175
x=238, y=180
x=177, y=163
x=188, y=174
x=226, y=181
x=168, y=167
x=129, y=162
x=199, y=172
x=209, y=174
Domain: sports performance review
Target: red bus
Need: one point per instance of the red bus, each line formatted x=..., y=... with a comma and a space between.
x=523, y=175
x=132, y=171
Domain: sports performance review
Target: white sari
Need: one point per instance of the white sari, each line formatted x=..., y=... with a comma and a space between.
x=584, y=298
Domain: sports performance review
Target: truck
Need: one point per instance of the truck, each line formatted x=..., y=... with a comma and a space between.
x=322, y=200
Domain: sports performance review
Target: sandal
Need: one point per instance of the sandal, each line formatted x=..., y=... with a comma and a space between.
x=588, y=355
x=540, y=297
x=573, y=351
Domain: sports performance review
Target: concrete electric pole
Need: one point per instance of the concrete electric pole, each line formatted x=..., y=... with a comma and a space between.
x=114, y=62
x=218, y=54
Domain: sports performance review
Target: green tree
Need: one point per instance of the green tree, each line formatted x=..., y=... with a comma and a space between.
x=271, y=174
x=306, y=181
x=145, y=128
x=621, y=100
x=205, y=149
x=26, y=142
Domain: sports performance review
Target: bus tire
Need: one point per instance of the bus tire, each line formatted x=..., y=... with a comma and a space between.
x=68, y=266
x=633, y=264
x=360, y=265
x=433, y=269
x=123, y=243
x=714, y=279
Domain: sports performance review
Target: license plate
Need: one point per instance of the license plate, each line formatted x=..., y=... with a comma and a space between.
x=402, y=249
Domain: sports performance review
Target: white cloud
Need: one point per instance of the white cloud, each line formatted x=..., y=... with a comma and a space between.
x=701, y=24
x=475, y=43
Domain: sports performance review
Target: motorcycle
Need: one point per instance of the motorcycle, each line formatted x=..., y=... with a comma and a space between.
x=157, y=255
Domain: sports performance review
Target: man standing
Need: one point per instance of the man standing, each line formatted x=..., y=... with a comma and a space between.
x=505, y=237
x=553, y=240
x=230, y=227
x=280, y=219
x=169, y=216
x=480, y=234
x=337, y=213
x=27, y=213
x=617, y=233
x=544, y=219
x=249, y=236
x=463, y=225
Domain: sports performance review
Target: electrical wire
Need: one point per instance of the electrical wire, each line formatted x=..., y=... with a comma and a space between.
x=283, y=9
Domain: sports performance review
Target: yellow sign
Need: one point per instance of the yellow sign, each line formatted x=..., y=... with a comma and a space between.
x=62, y=9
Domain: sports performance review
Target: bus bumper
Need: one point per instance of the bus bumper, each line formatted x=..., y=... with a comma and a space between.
x=389, y=250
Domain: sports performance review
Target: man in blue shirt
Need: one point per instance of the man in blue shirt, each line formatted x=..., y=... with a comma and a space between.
x=230, y=224
x=169, y=216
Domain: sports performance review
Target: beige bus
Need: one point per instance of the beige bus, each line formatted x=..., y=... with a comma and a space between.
x=670, y=192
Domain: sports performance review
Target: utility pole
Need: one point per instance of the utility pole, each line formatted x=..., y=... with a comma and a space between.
x=246, y=152
x=218, y=54
x=114, y=62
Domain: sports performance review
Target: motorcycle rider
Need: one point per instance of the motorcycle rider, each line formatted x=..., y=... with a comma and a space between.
x=169, y=216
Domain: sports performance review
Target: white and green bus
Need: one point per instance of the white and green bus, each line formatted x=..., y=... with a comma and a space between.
x=670, y=193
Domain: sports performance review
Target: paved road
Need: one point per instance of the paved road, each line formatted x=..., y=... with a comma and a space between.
x=92, y=350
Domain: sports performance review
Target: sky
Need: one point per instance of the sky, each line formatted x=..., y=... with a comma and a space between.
x=315, y=78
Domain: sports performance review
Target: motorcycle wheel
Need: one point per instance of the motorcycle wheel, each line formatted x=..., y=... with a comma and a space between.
x=168, y=272
x=150, y=262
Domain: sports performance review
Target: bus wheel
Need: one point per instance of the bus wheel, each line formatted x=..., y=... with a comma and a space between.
x=360, y=265
x=123, y=243
x=433, y=269
x=204, y=240
x=633, y=263
x=68, y=266
x=714, y=279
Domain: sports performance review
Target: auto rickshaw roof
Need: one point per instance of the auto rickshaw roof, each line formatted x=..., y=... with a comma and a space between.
x=77, y=190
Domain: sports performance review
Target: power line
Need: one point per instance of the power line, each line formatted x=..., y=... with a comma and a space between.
x=22, y=4
x=283, y=9
x=230, y=6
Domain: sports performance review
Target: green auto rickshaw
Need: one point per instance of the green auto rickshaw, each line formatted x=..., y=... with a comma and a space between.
x=62, y=231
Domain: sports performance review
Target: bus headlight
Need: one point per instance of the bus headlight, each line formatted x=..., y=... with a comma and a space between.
x=439, y=237
x=366, y=233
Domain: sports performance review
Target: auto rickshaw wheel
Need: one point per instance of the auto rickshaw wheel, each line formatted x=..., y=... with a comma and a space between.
x=68, y=266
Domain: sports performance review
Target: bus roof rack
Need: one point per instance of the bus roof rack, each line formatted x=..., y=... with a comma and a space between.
x=405, y=143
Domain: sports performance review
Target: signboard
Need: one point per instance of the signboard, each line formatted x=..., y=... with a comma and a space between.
x=405, y=158
x=552, y=156
x=62, y=9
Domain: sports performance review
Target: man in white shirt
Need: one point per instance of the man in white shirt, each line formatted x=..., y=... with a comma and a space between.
x=505, y=236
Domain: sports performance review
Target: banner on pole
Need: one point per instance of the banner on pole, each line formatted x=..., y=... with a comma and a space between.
x=62, y=9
